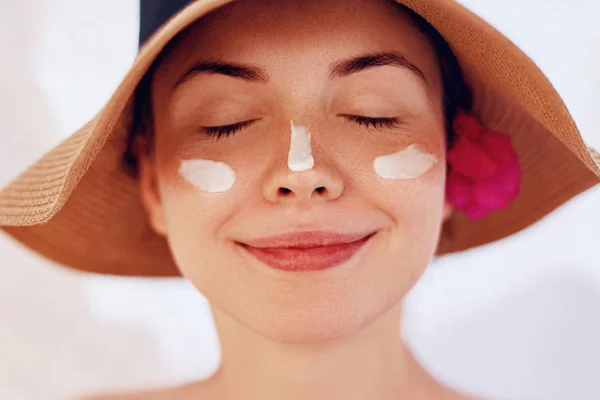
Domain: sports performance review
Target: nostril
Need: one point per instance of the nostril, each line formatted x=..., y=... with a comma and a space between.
x=283, y=191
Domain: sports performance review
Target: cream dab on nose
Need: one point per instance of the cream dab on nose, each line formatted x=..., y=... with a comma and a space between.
x=207, y=175
x=410, y=163
x=300, y=156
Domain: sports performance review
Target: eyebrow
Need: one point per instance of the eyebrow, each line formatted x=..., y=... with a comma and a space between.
x=241, y=71
x=338, y=69
x=353, y=65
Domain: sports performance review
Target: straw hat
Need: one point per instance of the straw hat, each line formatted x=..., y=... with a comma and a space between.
x=79, y=207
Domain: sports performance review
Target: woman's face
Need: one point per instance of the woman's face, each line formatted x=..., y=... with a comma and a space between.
x=216, y=198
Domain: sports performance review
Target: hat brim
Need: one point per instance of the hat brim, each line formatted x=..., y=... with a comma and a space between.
x=78, y=206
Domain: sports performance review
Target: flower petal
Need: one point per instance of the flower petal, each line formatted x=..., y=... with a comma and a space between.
x=470, y=160
x=476, y=212
x=484, y=172
x=499, y=148
x=458, y=190
x=499, y=191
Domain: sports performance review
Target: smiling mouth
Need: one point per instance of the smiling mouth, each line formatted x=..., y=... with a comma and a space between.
x=306, y=251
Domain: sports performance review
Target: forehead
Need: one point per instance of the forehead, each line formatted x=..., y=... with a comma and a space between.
x=298, y=33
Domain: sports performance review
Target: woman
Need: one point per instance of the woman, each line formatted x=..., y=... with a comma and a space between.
x=301, y=162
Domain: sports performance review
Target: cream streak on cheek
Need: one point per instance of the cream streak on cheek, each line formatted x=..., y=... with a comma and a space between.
x=300, y=157
x=208, y=176
x=409, y=163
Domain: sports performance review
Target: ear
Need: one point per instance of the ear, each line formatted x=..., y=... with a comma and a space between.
x=148, y=185
x=448, y=210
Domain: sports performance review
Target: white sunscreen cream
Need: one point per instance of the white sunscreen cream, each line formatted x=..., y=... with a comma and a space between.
x=409, y=163
x=300, y=157
x=208, y=176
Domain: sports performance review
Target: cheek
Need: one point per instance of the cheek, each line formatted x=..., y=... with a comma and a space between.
x=199, y=196
x=405, y=181
x=401, y=172
x=415, y=203
x=416, y=208
x=193, y=221
x=413, y=176
x=409, y=163
x=207, y=175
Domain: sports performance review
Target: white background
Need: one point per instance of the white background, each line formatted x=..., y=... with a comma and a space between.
x=515, y=320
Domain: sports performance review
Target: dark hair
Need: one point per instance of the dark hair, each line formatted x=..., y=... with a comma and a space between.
x=456, y=94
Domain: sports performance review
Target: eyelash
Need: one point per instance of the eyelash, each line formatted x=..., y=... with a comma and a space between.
x=229, y=130
x=225, y=130
x=376, y=123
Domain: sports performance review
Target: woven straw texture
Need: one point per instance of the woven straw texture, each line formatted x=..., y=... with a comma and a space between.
x=78, y=207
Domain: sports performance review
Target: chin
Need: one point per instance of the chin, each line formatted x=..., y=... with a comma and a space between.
x=307, y=308
x=315, y=322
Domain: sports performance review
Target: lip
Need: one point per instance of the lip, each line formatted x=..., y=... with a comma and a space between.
x=306, y=251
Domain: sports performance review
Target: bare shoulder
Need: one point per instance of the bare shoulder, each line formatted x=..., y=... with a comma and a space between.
x=450, y=394
x=189, y=391
x=146, y=395
x=465, y=397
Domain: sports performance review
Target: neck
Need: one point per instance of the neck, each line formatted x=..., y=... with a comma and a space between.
x=372, y=363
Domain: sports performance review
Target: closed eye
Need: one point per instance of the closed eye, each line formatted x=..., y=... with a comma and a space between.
x=377, y=123
x=226, y=130
x=229, y=130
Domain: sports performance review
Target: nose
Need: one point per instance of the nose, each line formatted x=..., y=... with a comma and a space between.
x=317, y=184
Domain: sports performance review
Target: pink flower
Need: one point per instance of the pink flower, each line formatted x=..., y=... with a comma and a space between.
x=483, y=169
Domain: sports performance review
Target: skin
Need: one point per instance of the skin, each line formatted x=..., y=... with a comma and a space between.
x=333, y=333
